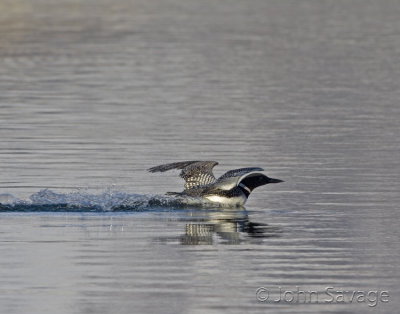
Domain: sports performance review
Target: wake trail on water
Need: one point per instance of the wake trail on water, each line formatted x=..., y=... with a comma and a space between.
x=82, y=201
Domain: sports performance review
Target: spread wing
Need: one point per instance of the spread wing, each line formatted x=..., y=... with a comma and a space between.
x=232, y=178
x=195, y=173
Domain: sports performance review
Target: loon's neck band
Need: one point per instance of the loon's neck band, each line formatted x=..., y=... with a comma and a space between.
x=245, y=189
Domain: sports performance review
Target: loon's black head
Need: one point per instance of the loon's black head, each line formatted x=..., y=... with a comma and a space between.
x=254, y=180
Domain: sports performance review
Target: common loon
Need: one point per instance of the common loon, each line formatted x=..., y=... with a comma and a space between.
x=231, y=189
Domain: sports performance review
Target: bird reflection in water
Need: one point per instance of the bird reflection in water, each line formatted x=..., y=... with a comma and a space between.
x=226, y=227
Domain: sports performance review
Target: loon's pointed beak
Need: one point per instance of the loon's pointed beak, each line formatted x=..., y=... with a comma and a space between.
x=272, y=180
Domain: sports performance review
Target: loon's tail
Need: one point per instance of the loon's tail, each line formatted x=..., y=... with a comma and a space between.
x=173, y=193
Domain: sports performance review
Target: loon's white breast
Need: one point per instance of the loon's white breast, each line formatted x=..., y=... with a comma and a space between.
x=228, y=201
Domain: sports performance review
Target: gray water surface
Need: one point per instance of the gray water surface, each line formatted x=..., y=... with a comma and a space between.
x=94, y=92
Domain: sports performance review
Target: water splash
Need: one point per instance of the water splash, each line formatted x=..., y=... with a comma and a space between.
x=82, y=201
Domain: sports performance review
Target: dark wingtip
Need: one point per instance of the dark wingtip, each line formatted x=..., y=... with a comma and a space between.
x=152, y=169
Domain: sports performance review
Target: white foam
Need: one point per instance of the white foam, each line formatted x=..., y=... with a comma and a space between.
x=7, y=199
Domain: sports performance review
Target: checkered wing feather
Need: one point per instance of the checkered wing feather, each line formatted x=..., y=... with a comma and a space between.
x=195, y=173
